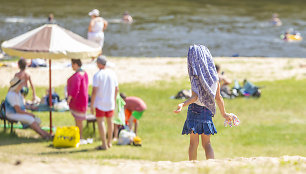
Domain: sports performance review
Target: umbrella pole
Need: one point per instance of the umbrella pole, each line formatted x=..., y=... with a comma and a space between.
x=50, y=96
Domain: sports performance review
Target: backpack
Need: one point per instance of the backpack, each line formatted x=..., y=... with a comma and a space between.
x=55, y=99
x=248, y=89
x=251, y=89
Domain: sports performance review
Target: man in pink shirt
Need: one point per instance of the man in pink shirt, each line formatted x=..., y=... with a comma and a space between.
x=134, y=109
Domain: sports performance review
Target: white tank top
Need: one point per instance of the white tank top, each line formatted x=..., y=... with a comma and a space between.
x=98, y=27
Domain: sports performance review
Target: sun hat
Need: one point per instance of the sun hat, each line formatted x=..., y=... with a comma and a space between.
x=95, y=12
x=14, y=83
x=101, y=60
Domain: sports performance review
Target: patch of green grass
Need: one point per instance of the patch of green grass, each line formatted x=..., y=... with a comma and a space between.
x=272, y=125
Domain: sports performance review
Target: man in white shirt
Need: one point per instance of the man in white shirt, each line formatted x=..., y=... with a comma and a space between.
x=104, y=92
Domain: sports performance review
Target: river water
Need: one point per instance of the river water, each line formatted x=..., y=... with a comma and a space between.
x=168, y=27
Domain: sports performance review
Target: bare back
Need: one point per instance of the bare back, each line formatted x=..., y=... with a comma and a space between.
x=23, y=75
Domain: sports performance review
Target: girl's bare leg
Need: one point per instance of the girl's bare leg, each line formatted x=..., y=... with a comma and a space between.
x=193, y=146
x=209, y=152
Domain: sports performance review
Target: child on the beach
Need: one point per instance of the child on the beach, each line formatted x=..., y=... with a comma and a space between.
x=25, y=76
x=205, y=88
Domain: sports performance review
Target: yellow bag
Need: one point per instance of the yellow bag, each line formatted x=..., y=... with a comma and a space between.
x=67, y=137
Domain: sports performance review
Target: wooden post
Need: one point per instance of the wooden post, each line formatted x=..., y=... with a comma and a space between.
x=50, y=96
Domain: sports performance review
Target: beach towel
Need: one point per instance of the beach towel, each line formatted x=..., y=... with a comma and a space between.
x=119, y=117
x=203, y=75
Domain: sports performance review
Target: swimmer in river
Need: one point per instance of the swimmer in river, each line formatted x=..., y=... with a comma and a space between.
x=127, y=18
x=275, y=21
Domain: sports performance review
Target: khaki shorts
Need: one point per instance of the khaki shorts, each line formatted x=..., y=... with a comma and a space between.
x=23, y=118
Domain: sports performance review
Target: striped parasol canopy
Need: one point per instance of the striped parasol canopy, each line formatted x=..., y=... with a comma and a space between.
x=51, y=41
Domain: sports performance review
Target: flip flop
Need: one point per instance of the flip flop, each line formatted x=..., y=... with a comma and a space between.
x=101, y=148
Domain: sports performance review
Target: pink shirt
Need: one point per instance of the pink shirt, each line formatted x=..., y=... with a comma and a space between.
x=135, y=104
x=77, y=88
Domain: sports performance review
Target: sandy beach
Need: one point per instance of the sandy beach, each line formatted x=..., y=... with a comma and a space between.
x=145, y=70
x=285, y=164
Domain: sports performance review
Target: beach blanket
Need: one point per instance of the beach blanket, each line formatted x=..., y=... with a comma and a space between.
x=203, y=75
x=43, y=108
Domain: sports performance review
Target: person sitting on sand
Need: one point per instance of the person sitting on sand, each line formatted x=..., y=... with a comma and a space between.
x=134, y=109
x=205, y=88
x=25, y=77
x=38, y=63
x=15, y=109
x=127, y=18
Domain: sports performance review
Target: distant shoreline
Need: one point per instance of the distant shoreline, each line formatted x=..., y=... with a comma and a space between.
x=146, y=69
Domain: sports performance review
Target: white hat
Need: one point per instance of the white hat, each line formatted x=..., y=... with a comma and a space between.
x=15, y=82
x=95, y=12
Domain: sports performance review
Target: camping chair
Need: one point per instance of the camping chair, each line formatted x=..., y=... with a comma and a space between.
x=4, y=118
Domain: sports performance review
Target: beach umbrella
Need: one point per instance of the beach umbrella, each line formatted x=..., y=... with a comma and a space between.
x=50, y=41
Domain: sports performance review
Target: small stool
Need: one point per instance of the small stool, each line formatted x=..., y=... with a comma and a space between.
x=91, y=119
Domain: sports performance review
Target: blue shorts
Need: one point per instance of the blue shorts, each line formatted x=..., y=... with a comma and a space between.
x=199, y=121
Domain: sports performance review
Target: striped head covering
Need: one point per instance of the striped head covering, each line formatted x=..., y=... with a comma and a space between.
x=203, y=75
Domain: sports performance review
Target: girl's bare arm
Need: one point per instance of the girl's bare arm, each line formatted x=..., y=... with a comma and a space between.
x=220, y=103
x=192, y=99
